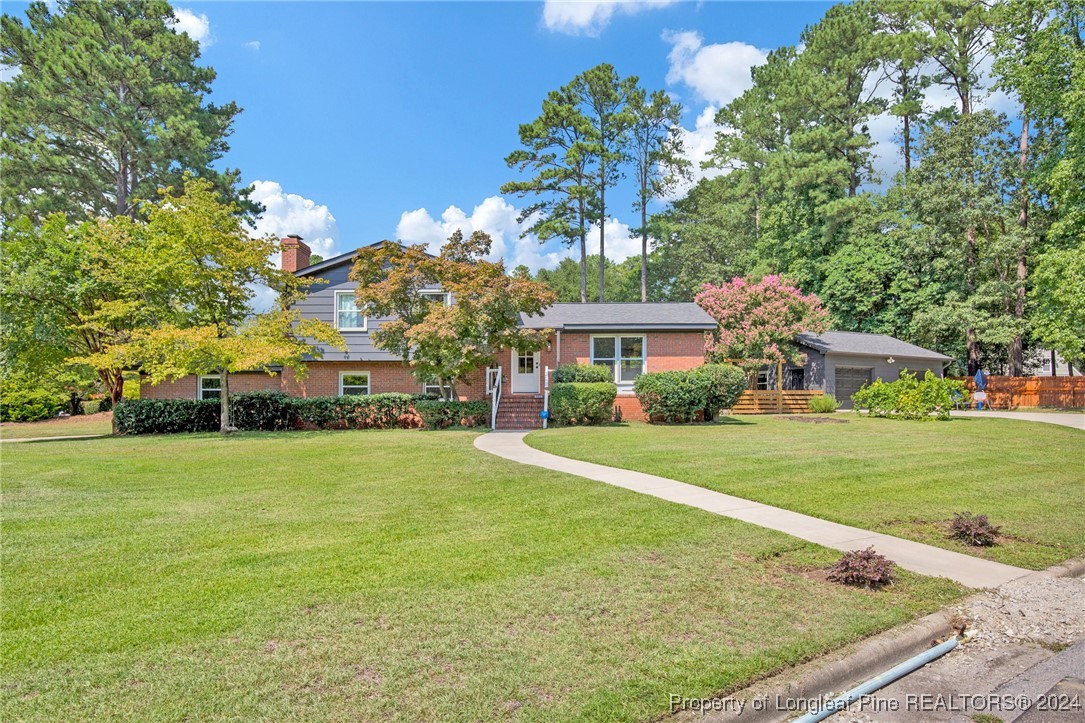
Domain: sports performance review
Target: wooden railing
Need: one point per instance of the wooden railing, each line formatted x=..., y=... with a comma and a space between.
x=1014, y=392
x=773, y=401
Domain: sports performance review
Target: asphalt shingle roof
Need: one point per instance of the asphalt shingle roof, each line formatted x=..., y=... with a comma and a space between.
x=621, y=316
x=854, y=342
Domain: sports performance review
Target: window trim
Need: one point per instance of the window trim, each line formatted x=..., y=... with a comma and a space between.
x=439, y=392
x=335, y=312
x=349, y=372
x=199, y=385
x=618, y=353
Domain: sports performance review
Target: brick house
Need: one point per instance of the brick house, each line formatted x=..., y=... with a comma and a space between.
x=629, y=338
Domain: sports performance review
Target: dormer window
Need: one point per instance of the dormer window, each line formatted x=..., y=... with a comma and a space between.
x=348, y=317
x=440, y=297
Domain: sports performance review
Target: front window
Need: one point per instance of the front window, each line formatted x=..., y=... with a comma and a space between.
x=432, y=387
x=210, y=387
x=348, y=317
x=440, y=297
x=623, y=355
x=353, y=383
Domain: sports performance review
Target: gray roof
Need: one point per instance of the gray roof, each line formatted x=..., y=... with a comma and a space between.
x=859, y=343
x=621, y=317
x=334, y=261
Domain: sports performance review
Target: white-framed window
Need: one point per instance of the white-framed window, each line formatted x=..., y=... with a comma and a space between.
x=626, y=356
x=432, y=387
x=763, y=379
x=442, y=297
x=210, y=387
x=348, y=317
x=353, y=383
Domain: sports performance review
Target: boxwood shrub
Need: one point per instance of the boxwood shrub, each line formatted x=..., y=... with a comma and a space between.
x=909, y=398
x=582, y=373
x=582, y=402
x=365, y=411
x=166, y=416
x=674, y=396
x=728, y=382
x=441, y=413
x=30, y=405
x=264, y=410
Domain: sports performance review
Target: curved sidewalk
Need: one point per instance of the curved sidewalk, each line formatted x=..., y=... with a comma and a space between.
x=914, y=556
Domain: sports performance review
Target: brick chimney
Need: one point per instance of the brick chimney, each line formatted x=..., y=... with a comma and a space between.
x=295, y=253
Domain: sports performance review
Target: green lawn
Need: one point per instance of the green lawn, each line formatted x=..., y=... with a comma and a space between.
x=387, y=575
x=898, y=477
x=87, y=424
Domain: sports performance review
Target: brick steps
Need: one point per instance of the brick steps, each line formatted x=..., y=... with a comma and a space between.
x=519, y=412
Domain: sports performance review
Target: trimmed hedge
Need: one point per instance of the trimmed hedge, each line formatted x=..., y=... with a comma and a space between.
x=582, y=402
x=728, y=384
x=909, y=398
x=166, y=416
x=441, y=413
x=582, y=373
x=673, y=396
x=271, y=411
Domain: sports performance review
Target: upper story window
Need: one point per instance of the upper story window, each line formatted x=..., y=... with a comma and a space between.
x=348, y=317
x=210, y=387
x=624, y=355
x=441, y=297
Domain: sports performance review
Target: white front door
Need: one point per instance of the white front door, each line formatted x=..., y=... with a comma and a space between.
x=525, y=372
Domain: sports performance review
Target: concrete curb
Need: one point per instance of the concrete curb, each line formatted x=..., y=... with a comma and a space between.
x=873, y=656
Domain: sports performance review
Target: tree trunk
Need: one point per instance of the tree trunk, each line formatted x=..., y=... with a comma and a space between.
x=602, y=229
x=971, y=342
x=643, y=252
x=583, y=266
x=907, y=135
x=1017, y=346
x=226, y=425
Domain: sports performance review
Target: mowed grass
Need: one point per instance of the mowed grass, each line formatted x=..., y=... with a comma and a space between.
x=387, y=575
x=86, y=424
x=898, y=477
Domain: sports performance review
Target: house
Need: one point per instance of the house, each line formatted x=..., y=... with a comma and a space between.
x=628, y=338
x=841, y=362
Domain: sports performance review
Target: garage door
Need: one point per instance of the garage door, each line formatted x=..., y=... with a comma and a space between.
x=849, y=380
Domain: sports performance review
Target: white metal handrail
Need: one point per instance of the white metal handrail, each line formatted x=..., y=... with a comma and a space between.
x=493, y=386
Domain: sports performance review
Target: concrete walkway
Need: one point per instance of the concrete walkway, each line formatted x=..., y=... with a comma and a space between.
x=914, y=556
x=1064, y=419
x=9, y=440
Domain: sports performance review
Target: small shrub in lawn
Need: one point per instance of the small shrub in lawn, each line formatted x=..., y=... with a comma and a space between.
x=862, y=568
x=823, y=404
x=673, y=396
x=975, y=530
x=582, y=402
x=585, y=373
x=728, y=382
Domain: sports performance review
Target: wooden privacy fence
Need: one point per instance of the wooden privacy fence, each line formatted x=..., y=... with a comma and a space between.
x=775, y=401
x=1013, y=392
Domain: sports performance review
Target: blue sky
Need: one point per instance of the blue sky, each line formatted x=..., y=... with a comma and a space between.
x=394, y=119
x=364, y=121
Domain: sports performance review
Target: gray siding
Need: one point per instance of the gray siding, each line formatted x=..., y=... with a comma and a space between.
x=320, y=304
x=882, y=369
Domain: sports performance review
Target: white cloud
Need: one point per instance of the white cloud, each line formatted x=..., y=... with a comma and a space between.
x=196, y=25
x=589, y=17
x=498, y=218
x=253, y=45
x=718, y=73
x=289, y=213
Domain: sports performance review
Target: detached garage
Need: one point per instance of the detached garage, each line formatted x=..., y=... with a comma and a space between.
x=841, y=362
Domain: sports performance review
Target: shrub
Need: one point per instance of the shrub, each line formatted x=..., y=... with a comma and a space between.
x=582, y=373
x=582, y=402
x=441, y=413
x=105, y=404
x=864, y=568
x=166, y=416
x=30, y=405
x=265, y=410
x=365, y=411
x=909, y=398
x=673, y=396
x=728, y=382
x=975, y=530
x=823, y=404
